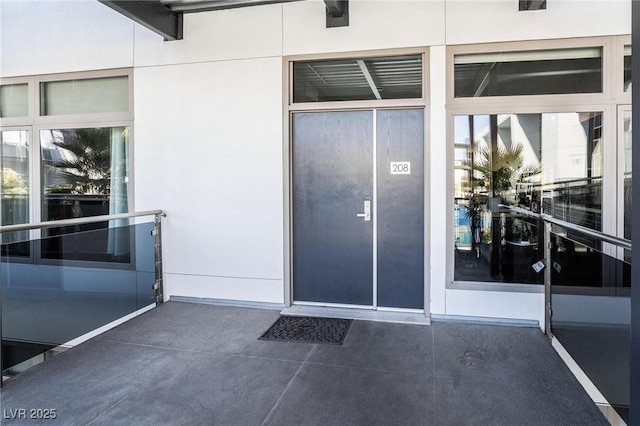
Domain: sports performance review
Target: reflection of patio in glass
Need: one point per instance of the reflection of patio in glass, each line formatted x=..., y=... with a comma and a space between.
x=519, y=160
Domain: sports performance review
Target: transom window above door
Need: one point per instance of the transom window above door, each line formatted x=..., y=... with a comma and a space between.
x=360, y=78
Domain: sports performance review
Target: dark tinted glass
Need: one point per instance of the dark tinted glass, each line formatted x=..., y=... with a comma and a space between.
x=528, y=73
x=590, y=298
x=47, y=304
x=394, y=77
x=549, y=163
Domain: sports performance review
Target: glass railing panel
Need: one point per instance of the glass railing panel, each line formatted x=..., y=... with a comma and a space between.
x=85, y=279
x=590, y=299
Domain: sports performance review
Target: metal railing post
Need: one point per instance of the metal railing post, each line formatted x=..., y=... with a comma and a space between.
x=547, y=278
x=157, y=232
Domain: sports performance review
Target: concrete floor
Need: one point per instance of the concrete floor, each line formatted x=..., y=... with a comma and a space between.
x=194, y=364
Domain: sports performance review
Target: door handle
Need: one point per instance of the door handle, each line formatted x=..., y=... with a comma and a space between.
x=367, y=211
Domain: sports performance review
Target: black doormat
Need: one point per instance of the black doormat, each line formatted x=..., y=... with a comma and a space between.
x=308, y=329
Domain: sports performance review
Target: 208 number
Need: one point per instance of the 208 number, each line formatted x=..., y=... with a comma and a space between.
x=400, y=168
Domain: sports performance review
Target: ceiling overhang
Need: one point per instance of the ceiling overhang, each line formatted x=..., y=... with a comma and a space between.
x=193, y=6
x=151, y=14
x=337, y=13
x=165, y=17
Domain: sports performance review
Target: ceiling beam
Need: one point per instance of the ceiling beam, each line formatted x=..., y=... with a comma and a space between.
x=337, y=13
x=335, y=7
x=195, y=6
x=367, y=75
x=532, y=4
x=151, y=14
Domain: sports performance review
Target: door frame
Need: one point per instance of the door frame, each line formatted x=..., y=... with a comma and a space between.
x=289, y=108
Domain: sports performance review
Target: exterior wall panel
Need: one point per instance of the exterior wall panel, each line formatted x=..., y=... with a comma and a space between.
x=208, y=150
x=496, y=304
x=251, y=32
x=372, y=25
x=470, y=21
x=437, y=211
x=63, y=36
x=224, y=288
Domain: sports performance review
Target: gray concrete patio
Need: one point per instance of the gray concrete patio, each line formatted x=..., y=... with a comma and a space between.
x=195, y=364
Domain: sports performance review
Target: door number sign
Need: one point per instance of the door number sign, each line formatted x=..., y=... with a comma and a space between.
x=400, y=167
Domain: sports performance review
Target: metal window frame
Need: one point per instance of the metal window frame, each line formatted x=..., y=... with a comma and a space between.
x=617, y=72
x=602, y=42
x=620, y=111
x=605, y=102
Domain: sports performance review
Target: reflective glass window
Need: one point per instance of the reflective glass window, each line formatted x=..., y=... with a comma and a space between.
x=539, y=72
x=14, y=164
x=550, y=163
x=84, y=171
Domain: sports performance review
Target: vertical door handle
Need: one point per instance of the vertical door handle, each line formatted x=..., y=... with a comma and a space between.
x=367, y=211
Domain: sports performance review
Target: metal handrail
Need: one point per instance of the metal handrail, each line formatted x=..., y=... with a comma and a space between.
x=77, y=221
x=621, y=242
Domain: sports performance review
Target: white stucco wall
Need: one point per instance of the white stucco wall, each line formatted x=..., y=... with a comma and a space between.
x=470, y=21
x=209, y=152
x=251, y=32
x=208, y=111
x=438, y=197
x=373, y=24
x=209, y=146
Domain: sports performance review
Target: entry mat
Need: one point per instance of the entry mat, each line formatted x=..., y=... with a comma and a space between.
x=308, y=329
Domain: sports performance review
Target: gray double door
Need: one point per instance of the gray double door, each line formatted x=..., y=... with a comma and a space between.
x=358, y=215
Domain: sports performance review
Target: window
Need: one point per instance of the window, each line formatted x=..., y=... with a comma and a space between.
x=14, y=163
x=82, y=135
x=84, y=96
x=367, y=78
x=514, y=154
x=84, y=171
x=14, y=100
x=549, y=162
x=537, y=72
